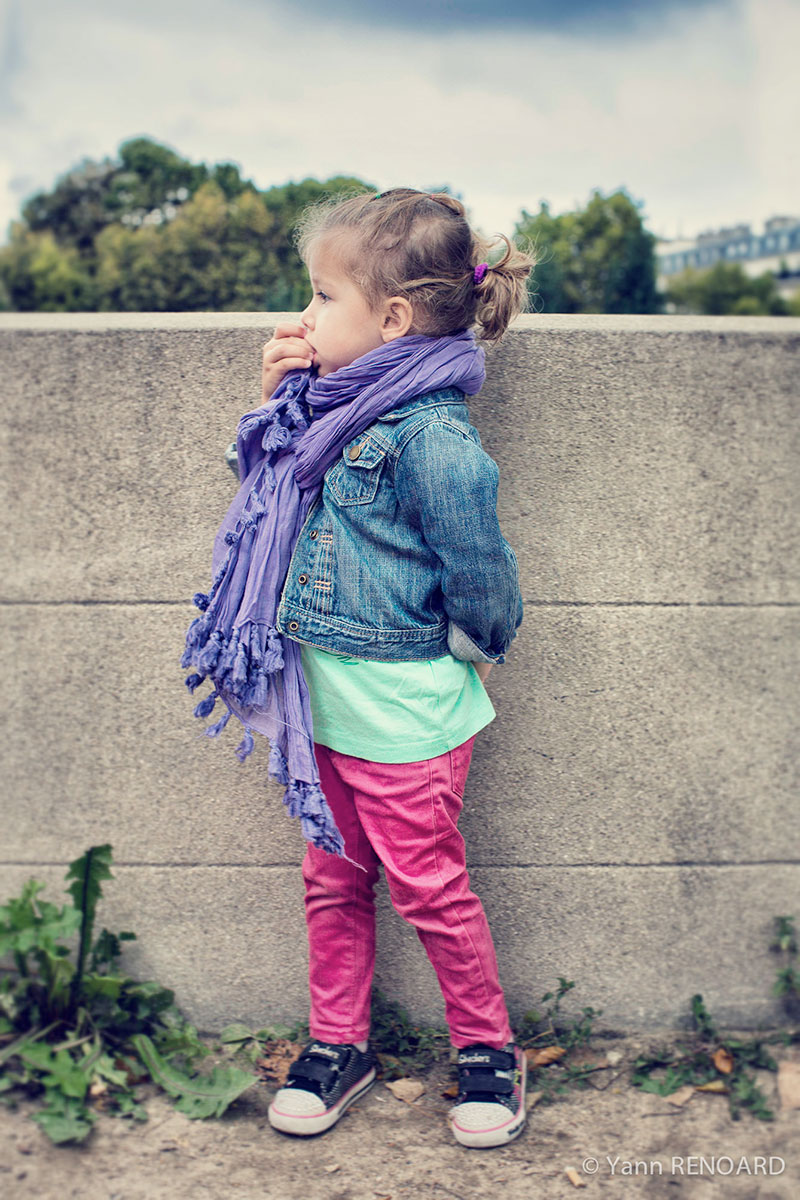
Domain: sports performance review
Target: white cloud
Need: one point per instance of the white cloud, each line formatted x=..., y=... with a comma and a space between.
x=695, y=118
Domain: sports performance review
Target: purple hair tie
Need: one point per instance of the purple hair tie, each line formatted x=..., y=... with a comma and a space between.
x=479, y=272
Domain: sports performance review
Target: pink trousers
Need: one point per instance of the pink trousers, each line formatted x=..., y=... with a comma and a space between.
x=404, y=816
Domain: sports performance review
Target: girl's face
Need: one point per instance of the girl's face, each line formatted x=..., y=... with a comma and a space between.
x=340, y=325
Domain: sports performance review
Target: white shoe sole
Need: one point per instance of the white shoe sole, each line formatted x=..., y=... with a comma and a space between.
x=305, y=1126
x=500, y=1135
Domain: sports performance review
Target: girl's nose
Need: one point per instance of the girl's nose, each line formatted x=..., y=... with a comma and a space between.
x=305, y=316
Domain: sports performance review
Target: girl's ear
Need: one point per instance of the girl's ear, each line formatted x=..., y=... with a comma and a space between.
x=397, y=318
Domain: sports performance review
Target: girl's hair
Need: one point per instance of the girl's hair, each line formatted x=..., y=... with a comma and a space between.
x=420, y=246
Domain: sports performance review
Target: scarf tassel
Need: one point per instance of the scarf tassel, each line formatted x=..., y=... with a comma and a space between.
x=206, y=705
x=246, y=745
x=307, y=801
x=207, y=658
x=216, y=729
x=277, y=765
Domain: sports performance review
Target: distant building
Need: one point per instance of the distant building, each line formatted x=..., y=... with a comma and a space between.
x=777, y=250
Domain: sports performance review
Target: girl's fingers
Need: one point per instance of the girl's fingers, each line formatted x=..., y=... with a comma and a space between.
x=287, y=330
x=272, y=375
x=293, y=364
x=293, y=347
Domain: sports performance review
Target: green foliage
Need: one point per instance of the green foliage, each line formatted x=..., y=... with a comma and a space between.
x=88, y=872
x=546, y=1027
x=400, y=1044
x=787, y=978
x=40, y=274
x=198, y=1096
x=550, y=1028
x=78, y=1034
x=701, y=1018
x=599, y=259
x=151, y=231
x=709, y=1059
x=725, y=290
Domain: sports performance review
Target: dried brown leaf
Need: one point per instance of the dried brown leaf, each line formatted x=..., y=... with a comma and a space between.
x=408, y=1090
x=531, y=1099
x=545, y=1056
x=451, y=1092
x=574, y=1178
x=682, y=1096
x=723, y=1060
x=278, y=1056
x=789, y=1084
x=716, y=1085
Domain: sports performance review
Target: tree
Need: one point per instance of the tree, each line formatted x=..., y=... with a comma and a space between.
x=39, y=275
x=599, y=259
x=149, y=181
x=153, y=231
x=725, y=289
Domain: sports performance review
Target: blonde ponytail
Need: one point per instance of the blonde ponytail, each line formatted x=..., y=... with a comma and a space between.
x=502, y=292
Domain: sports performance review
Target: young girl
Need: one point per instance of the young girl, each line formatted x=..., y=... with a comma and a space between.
x=362, y=590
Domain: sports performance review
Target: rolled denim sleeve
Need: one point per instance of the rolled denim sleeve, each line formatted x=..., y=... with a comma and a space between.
x=446, y=485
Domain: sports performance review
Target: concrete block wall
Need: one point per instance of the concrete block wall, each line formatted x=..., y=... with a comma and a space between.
x=631, y=816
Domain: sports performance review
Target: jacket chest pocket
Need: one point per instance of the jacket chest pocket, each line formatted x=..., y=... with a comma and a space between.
x=354, y=478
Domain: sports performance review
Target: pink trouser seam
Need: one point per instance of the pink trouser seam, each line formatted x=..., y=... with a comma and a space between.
x=445, y=886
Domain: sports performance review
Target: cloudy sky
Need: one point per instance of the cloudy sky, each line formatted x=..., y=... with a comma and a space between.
x=692, y=105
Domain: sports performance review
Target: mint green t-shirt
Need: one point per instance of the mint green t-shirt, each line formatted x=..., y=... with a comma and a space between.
x=394, y=712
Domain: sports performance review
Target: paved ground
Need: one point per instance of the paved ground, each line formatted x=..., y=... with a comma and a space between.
x=385, y=1148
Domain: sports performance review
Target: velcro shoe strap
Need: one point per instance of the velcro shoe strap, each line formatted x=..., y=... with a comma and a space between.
x=312, y=1068
x=484, y=1081
x=488, y=1059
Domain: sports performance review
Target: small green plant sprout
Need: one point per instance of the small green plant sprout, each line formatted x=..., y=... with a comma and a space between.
x=701, y=1019
x=401, y=1045
x=787, y=979
x=75, y=1032
x=549, y=1038
x=709, y=1063
x=548, y=1027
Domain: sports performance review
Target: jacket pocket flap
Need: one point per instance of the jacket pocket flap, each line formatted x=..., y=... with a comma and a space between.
x=363, y=454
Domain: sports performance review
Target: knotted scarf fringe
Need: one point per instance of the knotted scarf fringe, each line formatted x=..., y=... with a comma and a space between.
x=243, y=666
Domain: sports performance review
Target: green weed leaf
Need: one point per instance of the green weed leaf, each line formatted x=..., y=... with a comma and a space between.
x=88, y=872
x=107, y=949
x=235, y=1033
x=197, y=1096
x=65, y=1119
x=28, y=924
x=58, y=1070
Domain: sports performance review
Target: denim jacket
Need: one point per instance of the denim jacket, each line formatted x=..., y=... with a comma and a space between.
x=401, y=556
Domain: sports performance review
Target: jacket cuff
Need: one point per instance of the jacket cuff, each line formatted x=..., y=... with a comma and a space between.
x=232, y=458
x=461, y=646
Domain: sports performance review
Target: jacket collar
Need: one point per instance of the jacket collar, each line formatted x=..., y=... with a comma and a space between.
x=426, y=400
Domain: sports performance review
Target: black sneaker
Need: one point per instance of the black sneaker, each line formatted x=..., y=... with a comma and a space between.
x=490, y=1109
x=322, y=1082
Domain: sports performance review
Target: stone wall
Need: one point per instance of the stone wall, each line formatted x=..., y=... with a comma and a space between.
x=631, y=816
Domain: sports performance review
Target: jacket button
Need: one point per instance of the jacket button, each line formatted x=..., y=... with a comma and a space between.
x=354, y=452
x=302, y=579
x=294, y=626
x=313, y=534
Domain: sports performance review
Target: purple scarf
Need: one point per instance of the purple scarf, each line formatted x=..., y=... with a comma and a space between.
x=284, y=450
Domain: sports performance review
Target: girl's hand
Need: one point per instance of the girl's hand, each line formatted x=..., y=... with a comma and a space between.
x=483, y=669
x=287, y=351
